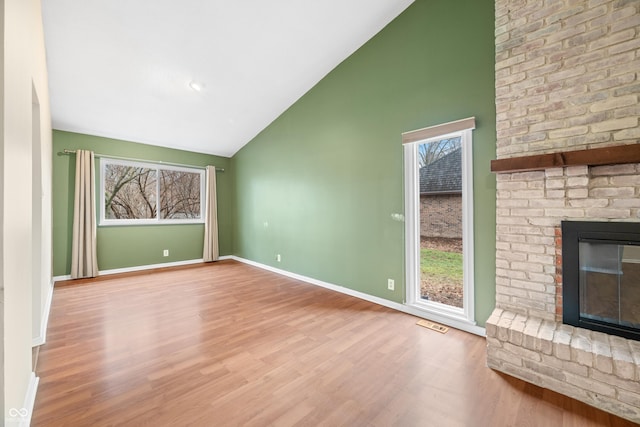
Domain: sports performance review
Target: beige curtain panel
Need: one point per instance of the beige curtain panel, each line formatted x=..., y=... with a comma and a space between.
x=84, y=260
x=210, y=252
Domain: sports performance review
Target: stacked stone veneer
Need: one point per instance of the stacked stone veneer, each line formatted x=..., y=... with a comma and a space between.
x=566, y=78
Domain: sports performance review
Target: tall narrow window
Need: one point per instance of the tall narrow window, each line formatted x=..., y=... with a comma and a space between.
x=440, y=195
x=439, y=221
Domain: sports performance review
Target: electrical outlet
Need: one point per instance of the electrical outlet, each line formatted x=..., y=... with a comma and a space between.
x=278, y=258
x=165, y=252
x=391, y=284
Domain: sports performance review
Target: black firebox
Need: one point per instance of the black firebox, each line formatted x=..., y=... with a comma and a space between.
x=601, y=276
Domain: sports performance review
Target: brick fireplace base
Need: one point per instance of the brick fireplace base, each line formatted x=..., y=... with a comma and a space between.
x=525, y=337
x=598, y=369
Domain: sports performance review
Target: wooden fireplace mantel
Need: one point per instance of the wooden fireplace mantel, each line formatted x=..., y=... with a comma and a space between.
x=615, y=155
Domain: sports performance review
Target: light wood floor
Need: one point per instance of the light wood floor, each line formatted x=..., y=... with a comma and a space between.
x=229, y=344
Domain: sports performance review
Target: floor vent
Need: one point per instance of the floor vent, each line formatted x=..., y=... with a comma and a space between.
x=433, y=326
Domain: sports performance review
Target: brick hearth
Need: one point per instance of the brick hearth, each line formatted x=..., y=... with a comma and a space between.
x=596, y=368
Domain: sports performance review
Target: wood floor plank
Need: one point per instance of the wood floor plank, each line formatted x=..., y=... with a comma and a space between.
x=229, y=344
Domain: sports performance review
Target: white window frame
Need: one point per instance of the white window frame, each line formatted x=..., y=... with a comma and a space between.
x=104, y=161
x=453, y=316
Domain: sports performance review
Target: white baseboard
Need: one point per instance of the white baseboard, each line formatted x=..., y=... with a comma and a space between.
x=474, y=329
x=142, y=268
x=61, y=278
x=150, y=267
x=44, y=321
x=21, y=417
x=463, y=326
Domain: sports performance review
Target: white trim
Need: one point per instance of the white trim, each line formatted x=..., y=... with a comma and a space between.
x=149, y=267
x=468, y=252
x=435, y=317
x=455, y=323
x=144, y=267
x=438, y=130
x=152, y=221
x=23, y=415
x=44, y=321
x=61, y=278
x=412, y=221
x=465, y=315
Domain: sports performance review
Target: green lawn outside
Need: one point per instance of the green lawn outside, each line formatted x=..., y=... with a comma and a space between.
x=441, y=277
x=441, y=266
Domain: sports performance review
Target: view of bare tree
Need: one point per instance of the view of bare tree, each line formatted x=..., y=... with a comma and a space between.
x=131, y=192
x=432, y=151
x=179, y=194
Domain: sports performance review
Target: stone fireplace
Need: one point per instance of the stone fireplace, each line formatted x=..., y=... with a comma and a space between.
x=566, y=81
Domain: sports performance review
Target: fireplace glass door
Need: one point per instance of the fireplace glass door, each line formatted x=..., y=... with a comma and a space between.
x=610, y=282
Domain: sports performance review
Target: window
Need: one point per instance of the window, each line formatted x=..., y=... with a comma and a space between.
x=143, y=193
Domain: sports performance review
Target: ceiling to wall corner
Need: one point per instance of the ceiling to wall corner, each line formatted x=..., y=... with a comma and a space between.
x=199, y=75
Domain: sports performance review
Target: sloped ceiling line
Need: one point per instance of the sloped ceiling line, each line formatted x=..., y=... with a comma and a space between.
x=126, y=69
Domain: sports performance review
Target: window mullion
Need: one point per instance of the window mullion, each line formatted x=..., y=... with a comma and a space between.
x=158, y=194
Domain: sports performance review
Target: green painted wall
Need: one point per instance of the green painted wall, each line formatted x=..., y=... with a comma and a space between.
x=319, y=185
x=129, y=246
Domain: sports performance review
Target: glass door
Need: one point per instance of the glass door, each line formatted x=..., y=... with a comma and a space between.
x=439, y=226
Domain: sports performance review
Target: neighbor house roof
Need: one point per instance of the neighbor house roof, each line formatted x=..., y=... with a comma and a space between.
x=442, y=176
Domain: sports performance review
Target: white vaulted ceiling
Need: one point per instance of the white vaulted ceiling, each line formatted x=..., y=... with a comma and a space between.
x=123, y=68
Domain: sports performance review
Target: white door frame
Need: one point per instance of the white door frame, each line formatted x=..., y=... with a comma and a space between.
x=453, y=316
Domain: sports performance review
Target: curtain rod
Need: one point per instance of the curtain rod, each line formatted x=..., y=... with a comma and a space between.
x=157, y=162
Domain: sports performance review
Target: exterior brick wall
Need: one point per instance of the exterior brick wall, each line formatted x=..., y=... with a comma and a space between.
x=441, y=216
x=566, y=79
